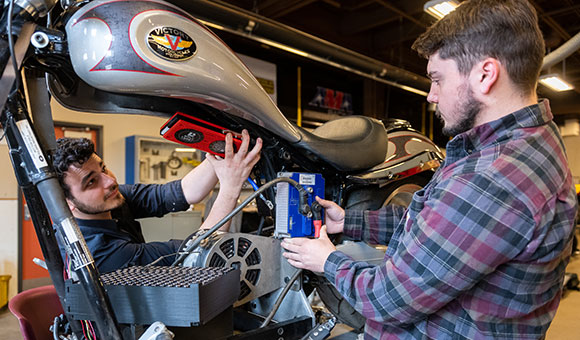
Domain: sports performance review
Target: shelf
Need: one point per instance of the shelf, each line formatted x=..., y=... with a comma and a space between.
x=156, y=160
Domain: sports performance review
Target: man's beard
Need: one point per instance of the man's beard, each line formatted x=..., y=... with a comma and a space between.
x=92, y=210
x=468, y=109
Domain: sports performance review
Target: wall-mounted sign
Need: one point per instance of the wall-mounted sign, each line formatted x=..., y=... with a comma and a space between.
x=265, y=73
x=336, y=101
x=268, y=85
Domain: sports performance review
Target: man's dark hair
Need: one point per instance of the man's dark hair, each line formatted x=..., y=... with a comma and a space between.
x=70, y=151
x=503, y=29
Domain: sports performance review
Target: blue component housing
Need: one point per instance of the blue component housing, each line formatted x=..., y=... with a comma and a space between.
x=289, y=221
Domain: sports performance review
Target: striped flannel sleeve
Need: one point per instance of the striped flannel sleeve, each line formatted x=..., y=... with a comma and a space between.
x=374, y=227
x=466, y=228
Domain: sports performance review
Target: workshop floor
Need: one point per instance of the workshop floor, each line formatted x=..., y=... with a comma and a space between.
x=564, y=327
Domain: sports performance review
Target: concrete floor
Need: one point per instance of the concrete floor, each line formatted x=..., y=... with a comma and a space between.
x=564, y=327
x=9, y=329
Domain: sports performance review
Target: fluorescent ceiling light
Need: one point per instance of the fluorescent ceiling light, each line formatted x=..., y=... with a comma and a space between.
x=440, y=8
x=554, y=82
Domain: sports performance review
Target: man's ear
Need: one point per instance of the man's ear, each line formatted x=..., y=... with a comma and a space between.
x=486, y=74
x=71, y=205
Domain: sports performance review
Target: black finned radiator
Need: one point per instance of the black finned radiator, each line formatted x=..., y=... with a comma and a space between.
x=176, y=296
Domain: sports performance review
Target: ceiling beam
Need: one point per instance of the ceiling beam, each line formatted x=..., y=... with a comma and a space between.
x=560, y=11
x=333, y=3
x=401, y=13
x=395, y=35
x=265, y=4
x=358, y=5
x=361, y=21
x=365, y=21
x=551, y=22
x=282, y=8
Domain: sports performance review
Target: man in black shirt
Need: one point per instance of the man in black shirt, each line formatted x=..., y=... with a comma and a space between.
x=106, y=211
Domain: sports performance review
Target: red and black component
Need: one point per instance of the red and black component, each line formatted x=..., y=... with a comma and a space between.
x=199, y=134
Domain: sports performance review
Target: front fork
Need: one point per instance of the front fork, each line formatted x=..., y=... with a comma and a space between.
x=49, y=211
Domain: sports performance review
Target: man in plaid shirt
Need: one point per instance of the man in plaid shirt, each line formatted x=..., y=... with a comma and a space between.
x=481, y=251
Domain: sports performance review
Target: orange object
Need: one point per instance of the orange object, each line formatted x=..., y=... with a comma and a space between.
x=317, y=227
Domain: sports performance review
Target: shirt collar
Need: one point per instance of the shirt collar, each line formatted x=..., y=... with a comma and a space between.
x=100, y=224
x=480, y=136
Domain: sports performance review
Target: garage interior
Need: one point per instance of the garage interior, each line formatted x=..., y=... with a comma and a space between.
x=360, y=47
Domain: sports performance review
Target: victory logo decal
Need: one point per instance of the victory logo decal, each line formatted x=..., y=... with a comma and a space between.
x=171, y=43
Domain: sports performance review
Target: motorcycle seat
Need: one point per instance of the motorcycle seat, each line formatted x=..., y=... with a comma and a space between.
x=350, y=143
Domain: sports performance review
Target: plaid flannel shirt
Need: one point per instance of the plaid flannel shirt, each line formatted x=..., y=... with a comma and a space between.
x=481, y=251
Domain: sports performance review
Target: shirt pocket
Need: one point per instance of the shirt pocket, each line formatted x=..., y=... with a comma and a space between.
x=417, y=204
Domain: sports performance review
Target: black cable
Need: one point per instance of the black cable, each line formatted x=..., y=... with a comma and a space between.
x=269, y=167
x=185, y=240
x=5, y=128
x=17, y=79
x=280, y=298
x=261, y=225
x=303, y=203
x=161, y=258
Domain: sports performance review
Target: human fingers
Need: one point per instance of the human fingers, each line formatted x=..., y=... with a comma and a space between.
x=254, y=155
x=245, y=144
x=211, y=159
x=291, y=255
x=323, y=234
x=311, y=255
x=289, y=246
x=293, y=244
x=229, y=150
x=332, y=210
x=253, y=162
x=296, y=264
x=325, y=203
x=255, y=150
x=294, y=259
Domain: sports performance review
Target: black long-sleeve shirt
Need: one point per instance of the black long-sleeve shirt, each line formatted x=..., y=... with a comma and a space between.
x=119, y=242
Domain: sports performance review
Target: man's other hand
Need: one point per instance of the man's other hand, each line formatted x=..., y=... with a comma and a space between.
x=309, y=254
x=333, y=216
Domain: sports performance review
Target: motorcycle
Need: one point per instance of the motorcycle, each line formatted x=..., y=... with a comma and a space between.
x=152, y=58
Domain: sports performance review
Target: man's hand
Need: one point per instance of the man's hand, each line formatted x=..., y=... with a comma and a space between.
x=310, y=254
x=233, y=170
x=334, y=216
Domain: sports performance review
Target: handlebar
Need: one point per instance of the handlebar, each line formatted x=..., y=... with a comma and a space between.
x=35, y=8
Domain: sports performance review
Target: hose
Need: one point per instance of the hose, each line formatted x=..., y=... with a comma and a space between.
x=280, y=298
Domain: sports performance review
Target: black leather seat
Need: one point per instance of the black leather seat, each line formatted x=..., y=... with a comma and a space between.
x=350, y=143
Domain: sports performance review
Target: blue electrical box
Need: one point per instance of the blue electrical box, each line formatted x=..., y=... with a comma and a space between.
x=289, y=221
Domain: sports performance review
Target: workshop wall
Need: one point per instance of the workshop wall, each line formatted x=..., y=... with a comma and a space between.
x=9, y=225
x=115, y=128
x=571, y=143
